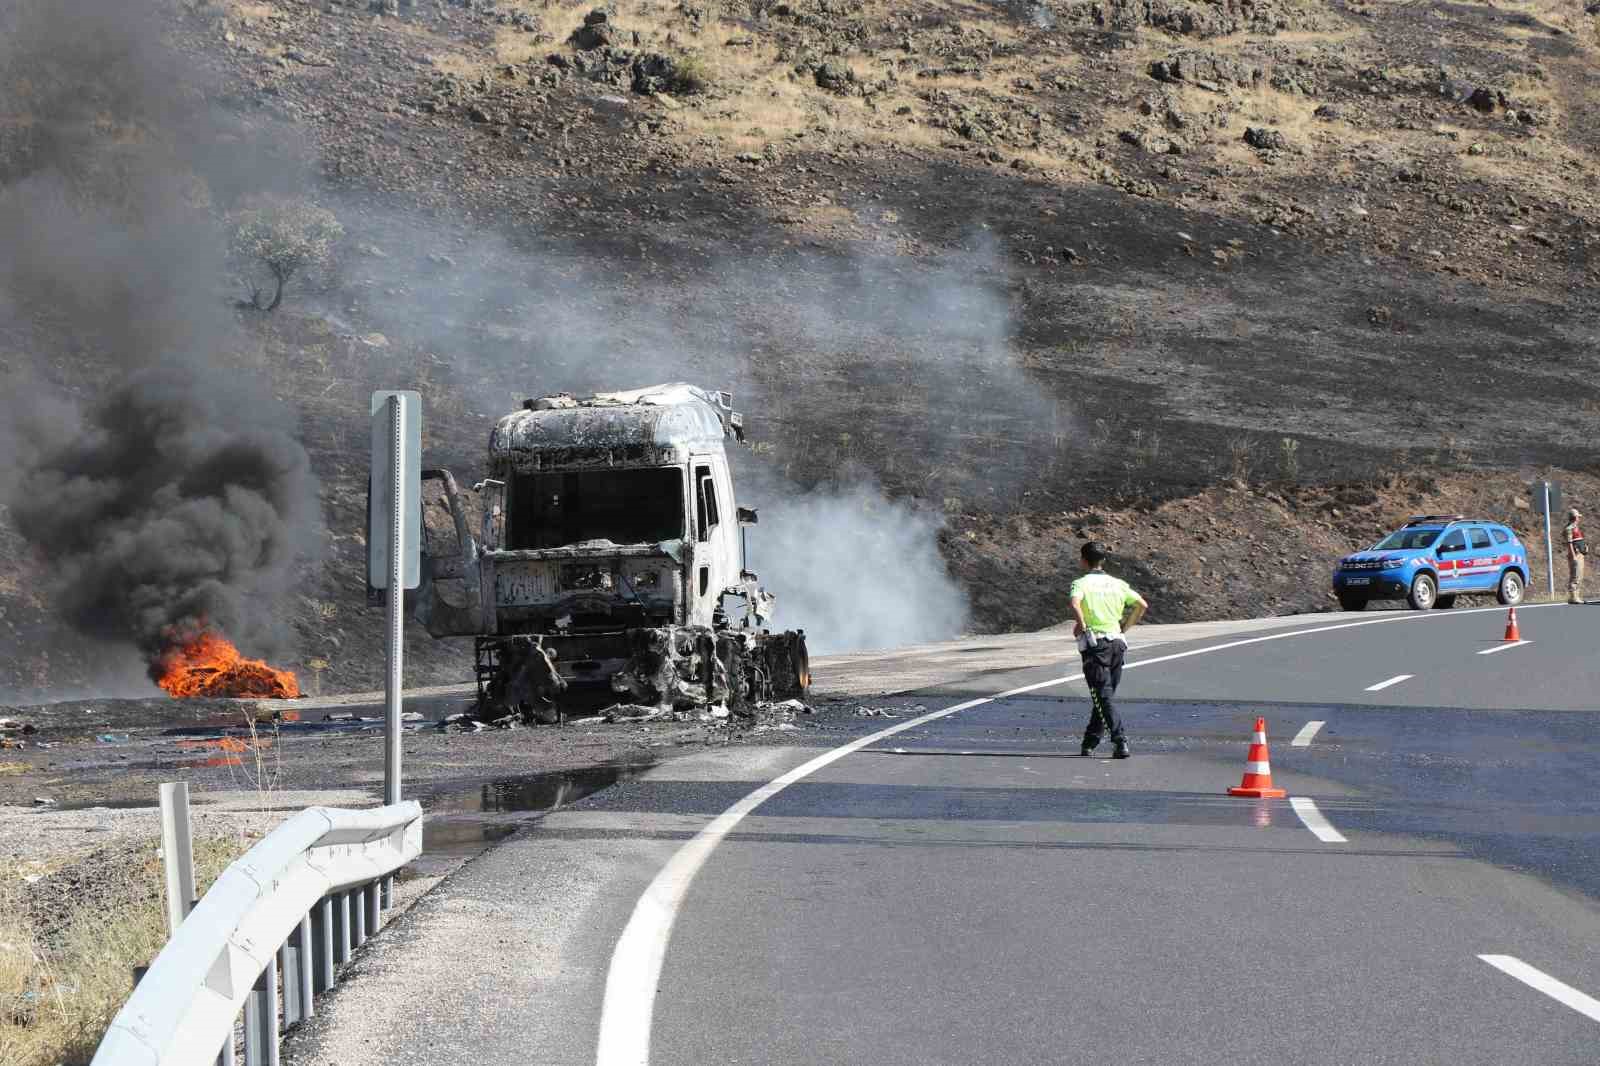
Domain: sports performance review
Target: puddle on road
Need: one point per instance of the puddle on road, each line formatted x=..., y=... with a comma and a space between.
x=460, y=825
x=535, y=792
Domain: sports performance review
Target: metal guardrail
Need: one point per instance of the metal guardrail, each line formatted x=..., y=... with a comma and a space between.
x=266, y=939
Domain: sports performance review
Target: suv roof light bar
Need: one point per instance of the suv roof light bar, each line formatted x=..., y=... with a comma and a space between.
x=1417, y=520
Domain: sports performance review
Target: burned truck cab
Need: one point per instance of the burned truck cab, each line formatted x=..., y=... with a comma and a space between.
x=609, y=528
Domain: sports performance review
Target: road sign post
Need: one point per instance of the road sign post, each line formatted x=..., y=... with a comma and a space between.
x=394, y=546
x=1548, y=495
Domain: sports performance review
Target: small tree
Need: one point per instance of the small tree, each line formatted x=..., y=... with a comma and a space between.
x=286, y=237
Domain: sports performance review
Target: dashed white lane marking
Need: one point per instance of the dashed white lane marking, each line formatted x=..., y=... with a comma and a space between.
x=1320, y=827
x=1559, y=991
x=1395, y=680
x=1302, y=739
x=627, y=1011
x=1504, y=647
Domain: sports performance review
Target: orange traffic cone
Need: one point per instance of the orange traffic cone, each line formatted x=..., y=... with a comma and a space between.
x=1258, y=769
x=1511, y=626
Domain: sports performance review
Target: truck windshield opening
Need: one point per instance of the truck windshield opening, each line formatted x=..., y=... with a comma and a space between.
x=554, y=509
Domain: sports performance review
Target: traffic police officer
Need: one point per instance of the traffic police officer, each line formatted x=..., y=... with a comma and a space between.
x=1100, y=604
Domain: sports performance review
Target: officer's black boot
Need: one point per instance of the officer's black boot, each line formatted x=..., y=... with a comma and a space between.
x=1121, y=750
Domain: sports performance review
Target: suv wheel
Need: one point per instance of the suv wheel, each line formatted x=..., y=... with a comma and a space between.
x=1445, y=602
x=1424, y=591
x=1353, y=603
x=1511, y=588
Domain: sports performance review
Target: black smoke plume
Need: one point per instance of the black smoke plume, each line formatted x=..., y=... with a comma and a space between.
x=155, y=478
x=179, y=506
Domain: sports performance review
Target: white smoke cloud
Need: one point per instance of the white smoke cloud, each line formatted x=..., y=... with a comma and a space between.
x=856, y=571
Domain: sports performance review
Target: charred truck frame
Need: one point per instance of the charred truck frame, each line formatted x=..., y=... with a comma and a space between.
x=610, y=553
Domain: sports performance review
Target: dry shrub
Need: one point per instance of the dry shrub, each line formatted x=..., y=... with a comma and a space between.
x=693, y=74
x=1241, y=458
x=69, y=943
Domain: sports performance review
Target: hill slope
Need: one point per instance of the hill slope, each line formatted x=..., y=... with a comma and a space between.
x=1008, y=262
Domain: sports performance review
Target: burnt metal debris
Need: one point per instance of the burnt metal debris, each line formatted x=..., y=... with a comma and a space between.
x=609, y=556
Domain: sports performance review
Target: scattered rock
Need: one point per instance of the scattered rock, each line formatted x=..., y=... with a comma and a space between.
x=596, y=32
x=836, y=78
x=654, y=73
x=1484, y=99
x=1265, y=139
x=1208, y=70
x=1328, y=113
x=1380, y=315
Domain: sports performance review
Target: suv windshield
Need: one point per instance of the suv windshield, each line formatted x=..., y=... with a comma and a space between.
x=1409, y=539
x=551, y=510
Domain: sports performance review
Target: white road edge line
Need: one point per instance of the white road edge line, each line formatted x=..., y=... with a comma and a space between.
x=1395, y=680
x=1505, y=647
x=1302, y=739
x=1559, y=991
x=627, y=1011
x=1320, y=827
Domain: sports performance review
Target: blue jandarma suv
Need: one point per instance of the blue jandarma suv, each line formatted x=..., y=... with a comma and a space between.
x=1431, y=560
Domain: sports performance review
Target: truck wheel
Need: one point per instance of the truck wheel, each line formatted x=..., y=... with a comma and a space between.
x=1445, y=602
x=1511, y=588
x=1353, y=603
x=1424, y=590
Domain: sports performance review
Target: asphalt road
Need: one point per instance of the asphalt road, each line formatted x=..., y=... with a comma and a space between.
x=969, y=890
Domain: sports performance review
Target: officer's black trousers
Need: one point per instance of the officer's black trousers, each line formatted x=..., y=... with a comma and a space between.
x=1102, y=672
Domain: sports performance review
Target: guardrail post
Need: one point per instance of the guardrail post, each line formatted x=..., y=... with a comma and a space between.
x=370, y=895
x=295, y=958
x=341, y=928
x=261, y=1020
x=358, y=916
x=322, y=975
x=177, y=852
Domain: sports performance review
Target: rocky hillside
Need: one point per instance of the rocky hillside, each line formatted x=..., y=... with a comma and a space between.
x=1040, y=268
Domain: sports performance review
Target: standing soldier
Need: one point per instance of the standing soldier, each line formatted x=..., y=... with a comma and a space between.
x=1101, y=603
x=1576, y=550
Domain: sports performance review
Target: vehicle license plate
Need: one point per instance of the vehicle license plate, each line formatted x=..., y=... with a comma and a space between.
x=1357, y=580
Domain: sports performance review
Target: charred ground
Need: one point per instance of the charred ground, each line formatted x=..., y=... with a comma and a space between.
x=1016, y=262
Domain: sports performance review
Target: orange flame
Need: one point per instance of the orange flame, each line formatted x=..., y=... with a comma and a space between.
x=208, y=665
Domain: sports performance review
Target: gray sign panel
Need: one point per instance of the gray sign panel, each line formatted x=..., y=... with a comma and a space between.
x=381, y=492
